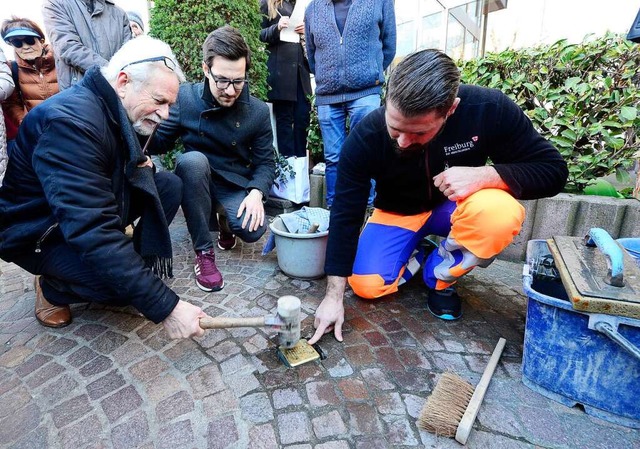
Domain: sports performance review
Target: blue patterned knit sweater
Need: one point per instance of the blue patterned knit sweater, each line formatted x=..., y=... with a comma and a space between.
x=351, y=65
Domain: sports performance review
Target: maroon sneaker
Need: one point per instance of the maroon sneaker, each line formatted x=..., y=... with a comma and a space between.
x=208, y=277
x=226, y=240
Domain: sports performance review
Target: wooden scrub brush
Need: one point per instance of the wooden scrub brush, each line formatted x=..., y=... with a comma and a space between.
x=454, y=404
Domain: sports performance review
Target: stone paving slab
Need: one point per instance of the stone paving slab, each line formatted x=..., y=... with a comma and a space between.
x=113, y=380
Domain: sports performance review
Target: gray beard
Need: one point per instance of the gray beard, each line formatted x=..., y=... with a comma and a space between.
x=141, y=129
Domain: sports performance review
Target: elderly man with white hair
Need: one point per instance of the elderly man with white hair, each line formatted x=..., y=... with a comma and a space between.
x=78, y=176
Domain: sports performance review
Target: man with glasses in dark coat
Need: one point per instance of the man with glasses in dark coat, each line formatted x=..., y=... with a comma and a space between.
x=228, y=164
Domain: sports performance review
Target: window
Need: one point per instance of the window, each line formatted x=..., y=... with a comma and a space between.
x=433, y=31
x=433, y=24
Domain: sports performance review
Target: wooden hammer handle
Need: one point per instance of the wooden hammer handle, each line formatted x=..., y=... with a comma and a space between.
x=210, y=322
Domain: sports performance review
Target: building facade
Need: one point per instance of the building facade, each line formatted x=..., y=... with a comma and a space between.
x=458, y=27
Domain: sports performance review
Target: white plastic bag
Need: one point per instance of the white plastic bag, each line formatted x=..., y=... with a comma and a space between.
x=293, y=186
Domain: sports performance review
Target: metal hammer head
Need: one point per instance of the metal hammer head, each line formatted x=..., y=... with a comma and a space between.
x=289, y=313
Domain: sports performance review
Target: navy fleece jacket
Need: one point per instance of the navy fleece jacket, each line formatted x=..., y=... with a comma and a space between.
x=486, y=125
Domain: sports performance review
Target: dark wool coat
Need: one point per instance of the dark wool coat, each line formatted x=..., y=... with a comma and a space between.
x=286, y=61
x=237, y=140
x=67, y=169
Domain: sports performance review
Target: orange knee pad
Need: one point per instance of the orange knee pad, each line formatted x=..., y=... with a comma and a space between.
x=371, y=286
x=486, y=222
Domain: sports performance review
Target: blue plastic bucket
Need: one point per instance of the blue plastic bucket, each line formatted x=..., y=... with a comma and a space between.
x=632, y=246
x=567, y=360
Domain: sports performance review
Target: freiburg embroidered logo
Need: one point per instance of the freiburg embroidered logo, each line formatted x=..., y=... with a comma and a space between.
x=460, y=147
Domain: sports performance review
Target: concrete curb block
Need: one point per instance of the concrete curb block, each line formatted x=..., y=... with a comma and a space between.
x=518, y=247
x=574, y=215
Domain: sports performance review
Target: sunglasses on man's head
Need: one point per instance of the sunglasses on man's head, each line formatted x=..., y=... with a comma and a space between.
x=17, y=42
x=171, y=65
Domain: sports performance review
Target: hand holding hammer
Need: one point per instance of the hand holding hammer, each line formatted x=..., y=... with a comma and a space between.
x=286, y=321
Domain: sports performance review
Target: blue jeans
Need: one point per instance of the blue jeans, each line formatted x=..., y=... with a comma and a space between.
x=333, y=126
x=203, y=196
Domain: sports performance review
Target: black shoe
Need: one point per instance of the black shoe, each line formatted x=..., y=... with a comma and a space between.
x=444, y=304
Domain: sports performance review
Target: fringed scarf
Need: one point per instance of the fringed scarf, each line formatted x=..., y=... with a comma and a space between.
x=151, y=238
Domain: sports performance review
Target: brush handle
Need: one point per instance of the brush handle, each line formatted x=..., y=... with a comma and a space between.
x=466, y=423
x=210, y=322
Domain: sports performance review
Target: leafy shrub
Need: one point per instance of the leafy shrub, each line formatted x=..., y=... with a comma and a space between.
x=314, y=137
x=284, y=170
x=583, y=97
x=184, y=25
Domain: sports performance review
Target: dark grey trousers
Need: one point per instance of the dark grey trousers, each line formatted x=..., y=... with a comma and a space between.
x=203, y=196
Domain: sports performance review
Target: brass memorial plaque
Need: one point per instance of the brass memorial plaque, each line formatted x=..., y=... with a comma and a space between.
x=301, y=353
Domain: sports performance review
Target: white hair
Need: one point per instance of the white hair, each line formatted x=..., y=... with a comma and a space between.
x=142, y=47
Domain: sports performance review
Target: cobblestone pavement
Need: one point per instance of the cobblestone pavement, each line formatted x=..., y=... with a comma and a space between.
x=113, y=380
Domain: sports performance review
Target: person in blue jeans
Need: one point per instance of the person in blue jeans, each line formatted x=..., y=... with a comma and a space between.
x=350, y=43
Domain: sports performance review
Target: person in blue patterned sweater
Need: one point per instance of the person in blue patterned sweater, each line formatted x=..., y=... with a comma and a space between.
x=350, y=43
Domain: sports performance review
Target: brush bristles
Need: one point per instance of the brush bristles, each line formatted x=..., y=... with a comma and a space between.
x=443, y=410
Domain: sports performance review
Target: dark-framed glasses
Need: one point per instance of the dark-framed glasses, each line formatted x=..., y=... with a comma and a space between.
x=17, y=42
x=171, y=65
x=224, y=83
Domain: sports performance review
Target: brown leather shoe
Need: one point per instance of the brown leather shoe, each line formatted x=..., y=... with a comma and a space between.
x=46, y=313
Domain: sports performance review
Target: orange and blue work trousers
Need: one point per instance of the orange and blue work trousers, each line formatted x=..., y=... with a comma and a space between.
x=477, y=229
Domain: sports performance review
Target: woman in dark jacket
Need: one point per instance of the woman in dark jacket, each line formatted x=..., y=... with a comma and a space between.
x=288, y=78
x=37, y=79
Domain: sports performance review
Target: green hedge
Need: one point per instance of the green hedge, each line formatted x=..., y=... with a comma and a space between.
x=582, y=97
x=184, y=25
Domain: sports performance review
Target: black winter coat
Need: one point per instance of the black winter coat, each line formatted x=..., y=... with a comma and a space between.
x=237, y=140
x=67, y=168
x=486, y=125
x=286, y=61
